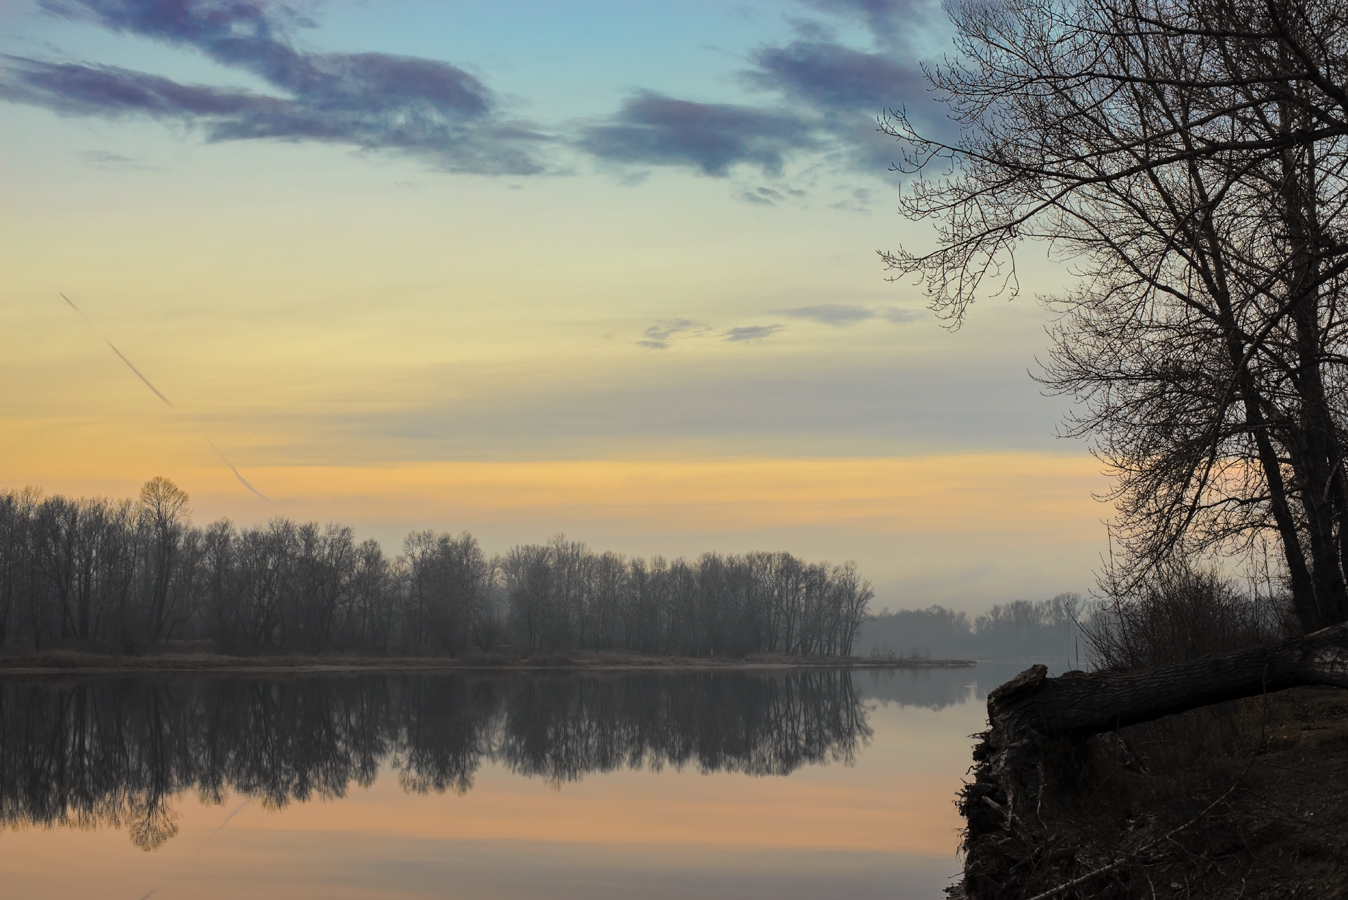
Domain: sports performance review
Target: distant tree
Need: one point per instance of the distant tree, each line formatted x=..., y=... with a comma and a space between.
x=163, y=509
x=1190, y=157
x=96, y=569
x=19, y=586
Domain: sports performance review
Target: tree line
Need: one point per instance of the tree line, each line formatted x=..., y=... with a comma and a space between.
x=103, y=570
x=117, y=752
x=1046, y=630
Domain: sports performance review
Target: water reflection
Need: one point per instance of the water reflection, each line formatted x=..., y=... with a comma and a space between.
x=117, y=751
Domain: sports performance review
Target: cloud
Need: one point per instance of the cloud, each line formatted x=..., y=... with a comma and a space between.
x=889, y=21
x=105, y=160
x=827, y=95
x=836, y=314
x=661, y=334
x=654, y=129
x=833, y=78
x=751, y=332
x=844, y=90
x=859, y=201
x=899, y=316
x=830, y=96
x=369, y=100
x=765, y=196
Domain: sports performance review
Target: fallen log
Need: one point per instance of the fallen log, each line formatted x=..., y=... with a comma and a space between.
x=1032, y=718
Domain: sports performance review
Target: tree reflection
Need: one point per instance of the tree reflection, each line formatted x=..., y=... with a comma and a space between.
x=97, y=752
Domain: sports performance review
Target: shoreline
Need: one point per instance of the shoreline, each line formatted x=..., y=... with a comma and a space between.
x=64, y=662
x=1230, y=799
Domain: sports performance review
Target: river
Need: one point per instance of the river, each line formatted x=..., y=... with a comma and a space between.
x=748, y=784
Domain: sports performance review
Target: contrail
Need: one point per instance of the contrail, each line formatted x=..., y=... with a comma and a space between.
x=243, y=481
x=140, y=376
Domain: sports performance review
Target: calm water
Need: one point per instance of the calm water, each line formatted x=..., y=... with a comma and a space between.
x=784, y=785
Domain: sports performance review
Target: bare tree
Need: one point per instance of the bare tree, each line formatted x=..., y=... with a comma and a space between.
x=1188, y=157
x=105, y=570
x=163, y=509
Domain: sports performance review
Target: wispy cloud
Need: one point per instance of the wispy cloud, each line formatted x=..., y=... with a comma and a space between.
x=841, y=315
x=751, y=332
x=859, y=201
x=836, y=314
x=662, y=333
x=898, y=316
x=105, y=160
x=369, y=100
x=654, y=129
x=887, y=20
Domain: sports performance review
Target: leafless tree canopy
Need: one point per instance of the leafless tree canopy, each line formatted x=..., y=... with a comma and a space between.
x=108, y=570
x=1188, y=157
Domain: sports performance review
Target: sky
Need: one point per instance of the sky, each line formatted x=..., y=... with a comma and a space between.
x=519, y=268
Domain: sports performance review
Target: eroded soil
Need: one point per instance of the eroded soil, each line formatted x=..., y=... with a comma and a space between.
x=1242, y=800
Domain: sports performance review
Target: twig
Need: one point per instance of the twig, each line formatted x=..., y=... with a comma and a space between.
x=1124, y=860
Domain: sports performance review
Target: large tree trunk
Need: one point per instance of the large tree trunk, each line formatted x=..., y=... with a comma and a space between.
x=1032, y=716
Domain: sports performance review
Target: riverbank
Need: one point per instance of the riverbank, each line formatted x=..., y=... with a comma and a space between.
x=1242, y=799
x=85, y=661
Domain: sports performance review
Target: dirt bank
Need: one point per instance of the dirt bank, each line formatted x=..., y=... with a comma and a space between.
x=1241, y=800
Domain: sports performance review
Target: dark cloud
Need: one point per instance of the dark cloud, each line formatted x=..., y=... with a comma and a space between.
x=827, y=95
x=836, y=79
x=844, y=91
x=370, y=100
x=830, y=98
x=751, y=332
x=836, y=314
x=659, y=335
x=653, y=129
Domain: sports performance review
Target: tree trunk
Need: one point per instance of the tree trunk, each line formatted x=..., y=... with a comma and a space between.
x=1032, y=714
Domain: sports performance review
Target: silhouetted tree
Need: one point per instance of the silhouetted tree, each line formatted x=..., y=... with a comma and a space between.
x=103, y=570
x=1189, y=158
x=163, y=509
